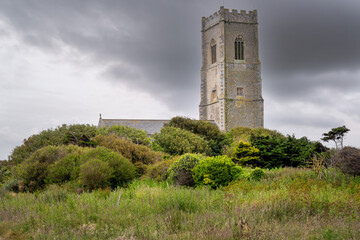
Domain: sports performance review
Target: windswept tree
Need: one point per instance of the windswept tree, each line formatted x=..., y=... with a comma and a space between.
x=336, y=135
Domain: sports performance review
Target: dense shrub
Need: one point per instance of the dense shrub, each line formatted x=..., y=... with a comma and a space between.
x=130, y=150
x=95, y=174
x=181, y=171
x=34, y=170
x=280, y=152
x=348, y=160
x=137, y=136
x=5, y=171
x=77, y=134
x=159, y=170
x=246, y=154
x=256, y=174
x=121, y=168
x=176, y=141
x=63, y=170
x=216, y=139
x=243, y=134
x=215, y=171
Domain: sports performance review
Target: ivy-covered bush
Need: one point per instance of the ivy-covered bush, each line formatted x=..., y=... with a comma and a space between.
x=181, y=171
x=134, y=135
x=245, y=154
x=177, y=141
x=130, y=150
x=209, y=131
x=216, y=171
x=77, y=134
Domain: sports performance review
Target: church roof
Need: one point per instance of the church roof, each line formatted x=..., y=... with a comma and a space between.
x=151, y=126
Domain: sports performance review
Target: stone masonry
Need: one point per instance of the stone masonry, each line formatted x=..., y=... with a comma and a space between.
x=231, y=92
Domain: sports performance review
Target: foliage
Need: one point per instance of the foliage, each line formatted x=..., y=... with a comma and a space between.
x=5, y=171
x=181, y=171
x=159, y=170
x=216, y=139
x=122, y=170
x=177, y=141
x=77, y=134
x=281, y=152
x=243, y=134
x=215, y=171
x=34, y=170
x=348, y=160
x=256, y=174
x=246, y=154
x=95, y=174
x=130, y=150
x=136, y=136
x=63, y=170
x=336, y=135
x=59, y=164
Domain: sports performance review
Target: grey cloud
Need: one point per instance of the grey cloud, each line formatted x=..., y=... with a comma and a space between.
x=154, y=46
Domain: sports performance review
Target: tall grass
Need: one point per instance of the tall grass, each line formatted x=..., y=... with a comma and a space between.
x=286, y=204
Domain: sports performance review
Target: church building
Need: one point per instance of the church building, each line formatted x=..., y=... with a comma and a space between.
x=231, y=74
x=231, y=94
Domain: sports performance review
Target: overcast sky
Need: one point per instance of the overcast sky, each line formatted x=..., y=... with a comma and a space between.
x=66, y=61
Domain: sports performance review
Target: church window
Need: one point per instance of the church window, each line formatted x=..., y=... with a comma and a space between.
x=240, y=92
x=213, y=51
x=213, y=96
x=239, y=48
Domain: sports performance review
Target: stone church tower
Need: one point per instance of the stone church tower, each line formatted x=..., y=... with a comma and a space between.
x=230, y=74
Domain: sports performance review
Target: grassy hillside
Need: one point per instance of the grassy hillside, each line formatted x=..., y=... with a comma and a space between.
x=287, y=203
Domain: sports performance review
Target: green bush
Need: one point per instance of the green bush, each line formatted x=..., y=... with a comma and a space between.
x=181, y=171
x=121, y=168
x=246, y=154
x=95, y=173
x=34, y=170
x=215, y=171
x=159, y=170
x=176, y=141
x=130, y=150
x=78, y=134
x=256, y=174
x=243, y=134
x=136, y=136
x=209, y=131
x=237, y=172
x=5, y=171
x=63, y=170
x=281, y=152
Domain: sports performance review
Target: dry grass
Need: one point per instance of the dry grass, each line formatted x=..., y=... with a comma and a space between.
x=287, y=204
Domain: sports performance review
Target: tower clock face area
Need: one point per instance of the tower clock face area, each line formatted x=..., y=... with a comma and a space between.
x=230, y=74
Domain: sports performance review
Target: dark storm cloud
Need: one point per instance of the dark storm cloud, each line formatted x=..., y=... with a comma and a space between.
x=155, y=45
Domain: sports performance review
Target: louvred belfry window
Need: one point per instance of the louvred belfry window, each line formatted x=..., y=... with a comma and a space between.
x=213, y=51
x=239, y=49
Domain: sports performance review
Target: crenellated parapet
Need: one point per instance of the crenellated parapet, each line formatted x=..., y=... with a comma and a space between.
x=226, y=16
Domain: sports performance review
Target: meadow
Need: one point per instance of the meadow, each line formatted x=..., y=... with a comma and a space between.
x=287, y=203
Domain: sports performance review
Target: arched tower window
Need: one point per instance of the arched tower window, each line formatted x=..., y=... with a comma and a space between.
x=239, y=48
x=213, y=51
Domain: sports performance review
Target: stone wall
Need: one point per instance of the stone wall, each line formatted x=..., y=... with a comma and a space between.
x=227, y=75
